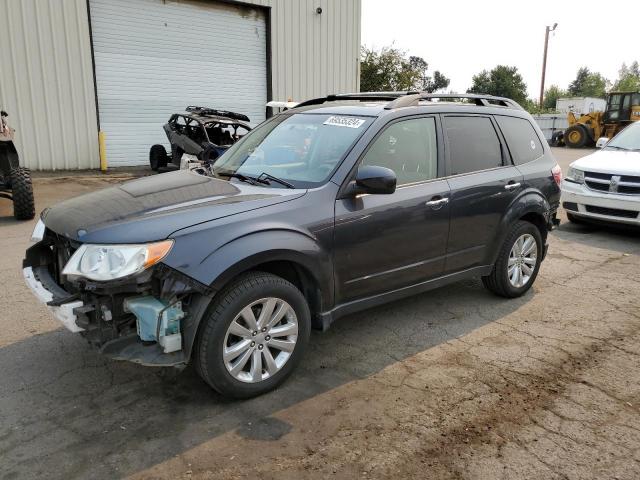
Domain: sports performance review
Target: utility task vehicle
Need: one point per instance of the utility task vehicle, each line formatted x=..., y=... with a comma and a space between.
x=15, y=181
x=339, y=204
x=200, y=132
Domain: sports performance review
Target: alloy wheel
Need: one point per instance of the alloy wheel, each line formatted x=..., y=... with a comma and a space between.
x=522, y=260
x=260, y=340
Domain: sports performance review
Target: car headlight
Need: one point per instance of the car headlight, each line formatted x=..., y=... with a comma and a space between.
x=109, y=262
x=575, y=175
x=38, y=232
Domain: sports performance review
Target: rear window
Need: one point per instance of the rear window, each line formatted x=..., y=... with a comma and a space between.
x=522, y=139
x=473, y=144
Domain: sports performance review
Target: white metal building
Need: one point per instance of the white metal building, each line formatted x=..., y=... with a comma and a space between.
x=71, y=67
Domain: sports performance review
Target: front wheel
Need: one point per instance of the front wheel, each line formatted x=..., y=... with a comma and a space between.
x=576, y=136
x=518, y=262
x=254, y=335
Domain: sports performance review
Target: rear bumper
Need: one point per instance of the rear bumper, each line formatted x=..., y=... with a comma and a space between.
x=608, y=207
x=63, y=312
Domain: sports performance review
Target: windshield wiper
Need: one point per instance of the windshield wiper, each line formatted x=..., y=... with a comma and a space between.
x=243, y=178
x=265, y=177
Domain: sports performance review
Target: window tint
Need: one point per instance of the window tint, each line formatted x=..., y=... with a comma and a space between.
x=473, y=144
x=524, y=144
x=408, y=148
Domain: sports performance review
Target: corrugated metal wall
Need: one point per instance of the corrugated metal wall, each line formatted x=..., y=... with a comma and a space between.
x=46, y=76
x=314, y=54
x=46, y=82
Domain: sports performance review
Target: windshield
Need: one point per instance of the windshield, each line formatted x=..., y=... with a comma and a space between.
x=627, y=139
x=301, y=149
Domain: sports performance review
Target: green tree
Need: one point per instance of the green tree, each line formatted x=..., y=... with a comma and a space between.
x=628, y=78
x=426, y=82
x=588, y=84
x=551, y=96
x=391, y=69
x=503, y=81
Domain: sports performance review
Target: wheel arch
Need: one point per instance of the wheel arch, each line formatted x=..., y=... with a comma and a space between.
x=531, y=207
x=301, y=261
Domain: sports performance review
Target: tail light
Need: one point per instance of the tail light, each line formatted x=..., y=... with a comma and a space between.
x=557, y=174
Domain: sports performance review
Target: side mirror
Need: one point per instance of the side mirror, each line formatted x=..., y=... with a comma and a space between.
x=374, y=180
x=602, y=141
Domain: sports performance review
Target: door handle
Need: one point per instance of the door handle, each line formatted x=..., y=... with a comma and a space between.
x=436, y=204
x=512, y=186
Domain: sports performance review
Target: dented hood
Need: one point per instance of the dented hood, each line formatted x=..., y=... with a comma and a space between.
x=154, y=207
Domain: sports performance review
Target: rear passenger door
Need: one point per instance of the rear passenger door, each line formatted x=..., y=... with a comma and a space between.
x=483, y=185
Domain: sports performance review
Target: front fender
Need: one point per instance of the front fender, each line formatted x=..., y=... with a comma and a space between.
x=529, y=201
x=246, y=253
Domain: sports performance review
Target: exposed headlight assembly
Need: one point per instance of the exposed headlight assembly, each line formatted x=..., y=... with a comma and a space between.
x=575, y=175
x=109, y=262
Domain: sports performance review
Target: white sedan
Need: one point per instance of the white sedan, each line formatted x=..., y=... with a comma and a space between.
x=605, y=185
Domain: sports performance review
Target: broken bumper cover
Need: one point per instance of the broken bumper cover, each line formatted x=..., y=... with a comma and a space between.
x=70, y=311
x=64, y=312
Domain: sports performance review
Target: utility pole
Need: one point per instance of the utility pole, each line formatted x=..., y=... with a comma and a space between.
x=544, y=59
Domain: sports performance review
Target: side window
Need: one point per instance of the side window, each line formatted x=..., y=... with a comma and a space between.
x=473, y=144
x=523, y=141
x=408, y=148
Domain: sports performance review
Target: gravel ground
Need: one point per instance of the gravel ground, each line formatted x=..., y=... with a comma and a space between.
x=454, y=383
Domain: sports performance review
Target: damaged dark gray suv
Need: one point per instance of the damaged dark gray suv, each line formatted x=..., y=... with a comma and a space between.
x=340, y=204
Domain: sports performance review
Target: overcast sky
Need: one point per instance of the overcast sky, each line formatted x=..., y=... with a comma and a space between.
x=462, y=38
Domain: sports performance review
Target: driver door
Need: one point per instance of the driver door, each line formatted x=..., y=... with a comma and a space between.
x=387, y=242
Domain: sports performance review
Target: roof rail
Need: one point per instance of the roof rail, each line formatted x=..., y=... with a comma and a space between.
x=205, y=111
x=480, y=100
x=360, y=96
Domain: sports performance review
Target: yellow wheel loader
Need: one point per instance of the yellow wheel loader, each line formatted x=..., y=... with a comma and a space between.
x=584, y=130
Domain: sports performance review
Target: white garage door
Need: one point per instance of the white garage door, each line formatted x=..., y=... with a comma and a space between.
x=155, y=57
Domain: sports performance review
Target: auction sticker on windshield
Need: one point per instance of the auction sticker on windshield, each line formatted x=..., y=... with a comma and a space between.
x=349, y=122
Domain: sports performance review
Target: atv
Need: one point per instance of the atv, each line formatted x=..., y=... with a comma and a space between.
x=202, y=133
x=15, y=181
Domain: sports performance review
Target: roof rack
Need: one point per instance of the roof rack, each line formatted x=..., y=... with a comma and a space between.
x=480, y=100
x=206, y=111
x=361, y=97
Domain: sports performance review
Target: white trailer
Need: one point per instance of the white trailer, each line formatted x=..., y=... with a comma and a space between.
x=581, y=105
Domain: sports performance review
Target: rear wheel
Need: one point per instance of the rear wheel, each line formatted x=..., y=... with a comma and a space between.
x=576, y=136
x=518, y=262
x=158, y=157
x=254, y=335
x=22, y=193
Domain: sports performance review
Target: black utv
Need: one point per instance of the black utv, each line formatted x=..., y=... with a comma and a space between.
x=202, y=133
x=15, y=181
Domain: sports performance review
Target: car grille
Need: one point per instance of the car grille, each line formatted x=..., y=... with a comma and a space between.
x=610, y=183
x=612, y=212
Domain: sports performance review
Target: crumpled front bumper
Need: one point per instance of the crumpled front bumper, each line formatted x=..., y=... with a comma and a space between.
x=63, y=312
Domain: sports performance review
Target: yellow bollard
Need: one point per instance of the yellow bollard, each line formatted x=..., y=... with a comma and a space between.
x=103, y=151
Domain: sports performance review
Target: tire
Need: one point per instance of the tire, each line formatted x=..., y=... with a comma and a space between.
x=216, y=336
x=576, y=136
x=557, y=139
x=22, y=193
x=498, y=281
x=158, y=157
x=176, y=155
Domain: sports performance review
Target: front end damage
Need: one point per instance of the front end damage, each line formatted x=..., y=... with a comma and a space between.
x=150, y=318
